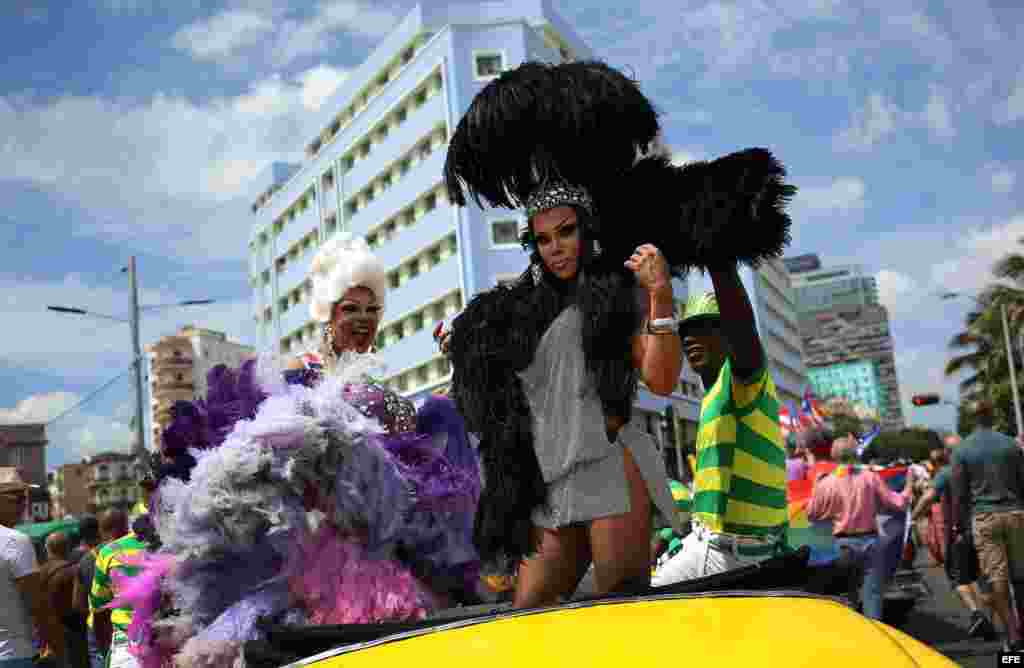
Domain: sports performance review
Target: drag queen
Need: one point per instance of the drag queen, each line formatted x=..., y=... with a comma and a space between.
x=242, y=471
x=546, y=370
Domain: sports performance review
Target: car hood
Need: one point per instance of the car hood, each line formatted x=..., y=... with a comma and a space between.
x=722, y=629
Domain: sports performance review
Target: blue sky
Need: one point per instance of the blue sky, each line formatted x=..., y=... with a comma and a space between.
x=131, y=127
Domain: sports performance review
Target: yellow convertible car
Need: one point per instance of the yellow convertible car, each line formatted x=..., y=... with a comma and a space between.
x=723, y=625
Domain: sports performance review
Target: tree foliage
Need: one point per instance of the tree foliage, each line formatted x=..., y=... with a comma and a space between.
x=912, y=443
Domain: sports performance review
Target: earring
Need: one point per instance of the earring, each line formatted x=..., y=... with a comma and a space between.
x=537, y=272
x=597, y=248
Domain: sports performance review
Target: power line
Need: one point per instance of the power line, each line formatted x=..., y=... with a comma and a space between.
x=92, y=394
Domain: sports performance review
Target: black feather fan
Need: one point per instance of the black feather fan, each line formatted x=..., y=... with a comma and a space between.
x=702, y=214
x=579, y=121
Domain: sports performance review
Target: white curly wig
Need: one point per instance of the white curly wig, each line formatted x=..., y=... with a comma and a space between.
x=340, y=264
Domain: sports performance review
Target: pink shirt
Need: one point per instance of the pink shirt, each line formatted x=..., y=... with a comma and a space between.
x=851, y=500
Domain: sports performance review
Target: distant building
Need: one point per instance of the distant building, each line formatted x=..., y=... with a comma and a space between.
x=818, y=288
x=23, y=445
x=112, y=482
x=802, y=263
x=851, y=335
x=178, y=366
x=69, y=491
x=858, y=381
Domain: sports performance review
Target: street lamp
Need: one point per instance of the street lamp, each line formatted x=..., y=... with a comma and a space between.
x=1009, y=353
x=136, y=346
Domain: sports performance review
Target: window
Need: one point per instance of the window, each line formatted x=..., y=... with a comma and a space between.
x=505, y=233
x=488, y=64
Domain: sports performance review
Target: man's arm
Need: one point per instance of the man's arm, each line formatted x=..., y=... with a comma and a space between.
x=924, y=505
x=738, y=324
x=31, y=588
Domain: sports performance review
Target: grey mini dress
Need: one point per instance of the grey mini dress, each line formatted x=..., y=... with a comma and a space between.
x=584, y=471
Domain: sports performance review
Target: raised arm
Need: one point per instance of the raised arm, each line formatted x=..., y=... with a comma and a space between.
x=738, y=325
x=658, y=356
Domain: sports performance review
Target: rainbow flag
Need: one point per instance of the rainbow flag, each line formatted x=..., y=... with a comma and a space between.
x=818, y=535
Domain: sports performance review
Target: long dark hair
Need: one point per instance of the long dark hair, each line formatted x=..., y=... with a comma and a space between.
x=605, y=293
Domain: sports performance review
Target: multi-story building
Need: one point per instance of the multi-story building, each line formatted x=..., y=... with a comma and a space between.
x=178, y=366
x=856, y=334
x=820, y=288
x=69, y=491
x=374, y=168
x=112, y=482
x=23, y=446
x=778, y=324
x=859, y=381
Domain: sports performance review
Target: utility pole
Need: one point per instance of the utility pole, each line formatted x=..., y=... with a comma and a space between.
x=140, y=421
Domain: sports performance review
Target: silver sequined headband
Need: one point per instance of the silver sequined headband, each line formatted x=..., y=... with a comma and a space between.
x=558, y=193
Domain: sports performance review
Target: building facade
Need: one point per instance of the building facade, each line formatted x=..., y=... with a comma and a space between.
x=850, y=335
x=23, y=446
x=374, y=169
x=112, y=482
x=859, y=381
x=69, y=491
x=178, y=366
x=820, y=288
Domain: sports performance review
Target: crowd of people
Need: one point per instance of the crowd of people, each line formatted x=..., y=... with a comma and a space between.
x=347, y=503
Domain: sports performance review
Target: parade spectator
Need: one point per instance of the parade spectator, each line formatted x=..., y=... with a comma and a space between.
x=988, y=501
x=960, y=560
x=58, y=578
x=816, y=444
x=22, y=600
x=89, y=532
x=739, y=501
x=797, y=467
x=851, y=497
x=88, y=537
x=113, y=529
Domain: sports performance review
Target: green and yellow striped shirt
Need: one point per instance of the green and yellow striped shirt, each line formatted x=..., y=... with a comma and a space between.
x=740, y=477
x=110, y=558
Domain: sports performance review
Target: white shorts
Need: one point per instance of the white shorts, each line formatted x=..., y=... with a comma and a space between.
x=699, y=558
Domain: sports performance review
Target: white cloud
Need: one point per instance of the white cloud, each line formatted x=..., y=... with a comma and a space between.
x=78, y=433
x=970, y=269
x=682, y=156
x=279, y=31
x=79, y=347
x=869, y=125
x=897, y=291
x=937, y=115
x=156, y=173
x=842, y=195
x=223, y=34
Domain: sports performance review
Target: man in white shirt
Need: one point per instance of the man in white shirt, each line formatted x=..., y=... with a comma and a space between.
x=20, y=589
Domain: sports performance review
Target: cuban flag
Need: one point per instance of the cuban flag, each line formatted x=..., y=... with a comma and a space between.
x=810, y=409
x=864, y=440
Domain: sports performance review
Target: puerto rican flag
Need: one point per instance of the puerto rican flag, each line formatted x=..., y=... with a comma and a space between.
x=787, y=422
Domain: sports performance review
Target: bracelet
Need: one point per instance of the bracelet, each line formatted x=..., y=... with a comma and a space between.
x=662, y=326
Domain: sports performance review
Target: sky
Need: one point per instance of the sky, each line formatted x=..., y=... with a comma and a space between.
x=131, y=128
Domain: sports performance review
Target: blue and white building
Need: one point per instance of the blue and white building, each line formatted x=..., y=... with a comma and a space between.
x=374, y=168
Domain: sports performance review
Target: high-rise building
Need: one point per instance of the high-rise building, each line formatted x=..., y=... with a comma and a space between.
x=852, y=335
x=820, y=288
x=178, y=365
x=777, y=324
x=858, y=381
x=374, y=168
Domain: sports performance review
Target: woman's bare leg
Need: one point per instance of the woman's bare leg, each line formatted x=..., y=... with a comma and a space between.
x=621, y=545
x=556, y=570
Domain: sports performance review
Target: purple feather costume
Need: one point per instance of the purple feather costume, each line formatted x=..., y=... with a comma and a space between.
x=241, y=470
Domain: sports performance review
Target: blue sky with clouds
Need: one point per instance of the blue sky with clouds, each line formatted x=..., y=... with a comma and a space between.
x=131, y=127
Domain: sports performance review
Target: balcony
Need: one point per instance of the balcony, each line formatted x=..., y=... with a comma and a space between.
x=294, y=274
x=408, y=241
x=424, y=288
x=400, y=140
x=297, y=229
x=171, y=361
x=423, y=177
